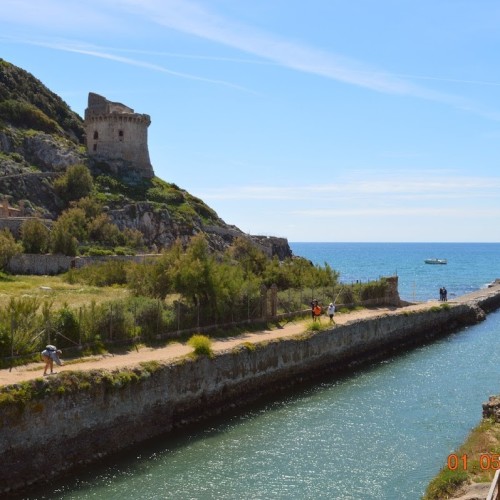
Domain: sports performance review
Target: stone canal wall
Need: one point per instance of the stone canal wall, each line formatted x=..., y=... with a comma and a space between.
x=88, y=417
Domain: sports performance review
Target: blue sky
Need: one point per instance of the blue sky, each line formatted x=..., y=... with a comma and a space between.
x=325, y=120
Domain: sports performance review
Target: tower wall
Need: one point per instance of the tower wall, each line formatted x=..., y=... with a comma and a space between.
x=114, y=131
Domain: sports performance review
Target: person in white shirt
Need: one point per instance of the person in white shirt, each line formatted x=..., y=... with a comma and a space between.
x=331, y=312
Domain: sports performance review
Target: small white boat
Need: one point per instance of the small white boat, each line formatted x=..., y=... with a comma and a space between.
x=436, y=261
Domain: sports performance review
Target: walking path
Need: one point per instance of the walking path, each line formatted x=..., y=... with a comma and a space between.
x=176, y=350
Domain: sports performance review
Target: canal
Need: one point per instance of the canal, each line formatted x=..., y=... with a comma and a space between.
x=380, y=432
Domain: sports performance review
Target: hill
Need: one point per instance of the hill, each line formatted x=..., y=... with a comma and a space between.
x=41, y=137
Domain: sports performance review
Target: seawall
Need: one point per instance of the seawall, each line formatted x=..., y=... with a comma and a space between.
x=81, y=416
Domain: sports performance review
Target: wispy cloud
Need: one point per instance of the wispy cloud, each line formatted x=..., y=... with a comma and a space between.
x=195, y=19
x=454, y=212
x=191, y=17
x=397, y=188
x=95, y=51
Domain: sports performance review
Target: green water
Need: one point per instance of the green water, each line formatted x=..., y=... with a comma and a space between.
x=381, y=432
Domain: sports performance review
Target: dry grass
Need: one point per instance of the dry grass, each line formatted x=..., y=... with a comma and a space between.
x=55, y=289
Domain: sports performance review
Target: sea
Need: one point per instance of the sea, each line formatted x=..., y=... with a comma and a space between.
x=470, y=266
x=379, y=432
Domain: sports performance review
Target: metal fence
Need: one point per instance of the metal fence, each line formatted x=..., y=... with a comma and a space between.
x=24, y=332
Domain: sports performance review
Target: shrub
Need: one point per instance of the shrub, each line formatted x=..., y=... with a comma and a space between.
x=69, y=229
x=76, y=183
x=110, y=272
x=23, y=114
x=35, y=236
x=150, y=316
x=201, y=344
x=445, y=484
x=8, y=247
x=68, y=327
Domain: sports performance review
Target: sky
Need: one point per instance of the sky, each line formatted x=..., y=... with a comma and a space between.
x=325, y=120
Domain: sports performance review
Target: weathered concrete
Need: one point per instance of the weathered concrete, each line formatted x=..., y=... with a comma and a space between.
x=104, y=418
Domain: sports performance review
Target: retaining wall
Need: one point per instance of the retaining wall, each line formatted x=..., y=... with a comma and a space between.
x=50, y=264
x=100, y=419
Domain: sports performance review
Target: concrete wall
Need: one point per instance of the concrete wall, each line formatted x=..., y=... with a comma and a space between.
x=56, y=264
x=103, y=419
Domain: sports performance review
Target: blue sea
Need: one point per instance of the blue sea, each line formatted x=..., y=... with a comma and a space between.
x=470, y=266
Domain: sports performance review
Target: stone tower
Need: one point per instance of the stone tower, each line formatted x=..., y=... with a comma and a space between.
x=114, y=132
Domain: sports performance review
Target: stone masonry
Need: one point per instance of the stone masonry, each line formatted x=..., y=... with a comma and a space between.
x=115, y=132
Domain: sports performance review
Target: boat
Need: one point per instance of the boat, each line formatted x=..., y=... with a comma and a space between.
x=436, y=261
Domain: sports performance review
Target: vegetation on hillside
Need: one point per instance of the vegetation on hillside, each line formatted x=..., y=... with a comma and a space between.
x=26, y=102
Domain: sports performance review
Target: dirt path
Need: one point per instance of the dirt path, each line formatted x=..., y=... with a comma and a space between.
x=177, y=349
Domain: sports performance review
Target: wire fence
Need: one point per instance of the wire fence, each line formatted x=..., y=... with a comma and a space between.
x=27, y=325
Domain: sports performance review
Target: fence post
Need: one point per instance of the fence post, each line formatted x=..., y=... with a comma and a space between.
x=110, y=322
x=135, y=318
x=263, y=301
x=158, y=316
x=198, y=313
x=178, y=316
x=80, y=327
x=274, y=300
x=12, y=329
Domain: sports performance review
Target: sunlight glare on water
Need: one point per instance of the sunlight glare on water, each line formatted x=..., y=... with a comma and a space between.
x=381, y=432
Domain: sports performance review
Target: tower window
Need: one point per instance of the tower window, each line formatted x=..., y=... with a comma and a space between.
x=95, y=147
x=120, y=135
x=96, y=135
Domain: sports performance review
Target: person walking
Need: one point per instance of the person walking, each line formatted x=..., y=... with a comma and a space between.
x=317, y=311
x=50, y=354
x=331, y=312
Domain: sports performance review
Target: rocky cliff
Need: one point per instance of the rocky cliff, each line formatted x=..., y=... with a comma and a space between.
x=40, y=137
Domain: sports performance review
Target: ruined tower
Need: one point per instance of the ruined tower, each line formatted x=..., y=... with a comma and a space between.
x=115, y=133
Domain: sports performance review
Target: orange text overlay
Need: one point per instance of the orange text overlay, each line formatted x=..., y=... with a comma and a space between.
x=487, y=461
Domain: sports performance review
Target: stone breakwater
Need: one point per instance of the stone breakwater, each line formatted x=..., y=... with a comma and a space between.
x=98, y=418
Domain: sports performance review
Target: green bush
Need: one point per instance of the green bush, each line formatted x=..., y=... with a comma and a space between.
x=8, y=247
x=35, y=236
x=150, y=316
x=68, y=327
x=110, y=272
x=25, y=115
x=201, y=344
x=445, y=484
x=75, y=183
x=372, y=290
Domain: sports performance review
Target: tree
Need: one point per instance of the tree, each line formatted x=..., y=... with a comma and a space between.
x=35, y=236
x=8, y=247
x=102, y=230
x=252, y=259
x=70, y=229
x=89, y=205
x=76, y=183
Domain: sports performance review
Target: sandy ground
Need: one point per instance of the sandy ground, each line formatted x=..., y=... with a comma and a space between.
x=176, y=349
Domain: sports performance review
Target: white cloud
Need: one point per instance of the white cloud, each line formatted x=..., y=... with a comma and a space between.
x=95, y=51
x=454, y=212
x=395, y=186
x=190, y=17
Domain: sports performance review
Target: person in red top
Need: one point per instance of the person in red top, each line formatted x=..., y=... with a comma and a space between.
x=316, y=311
